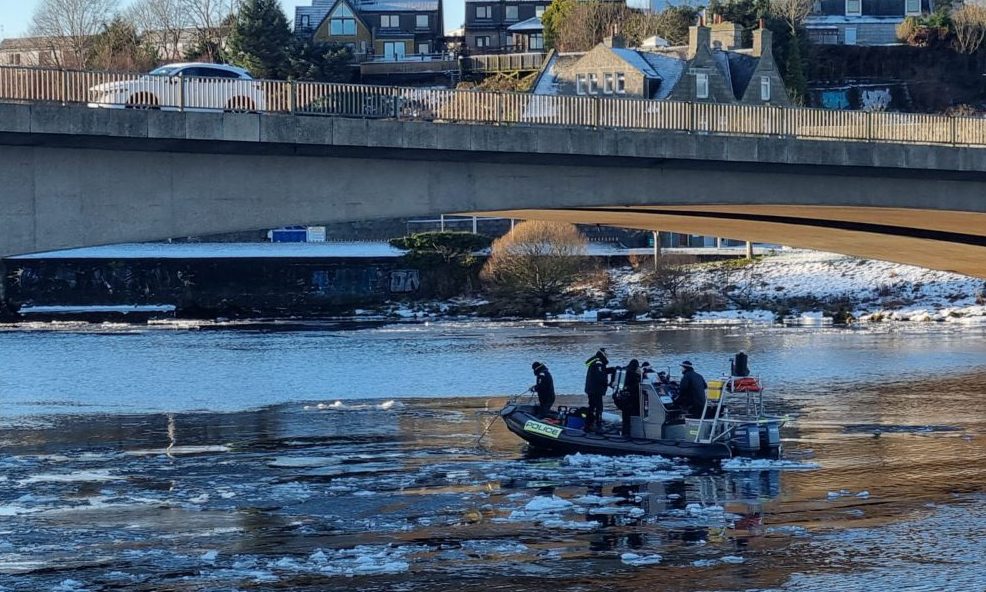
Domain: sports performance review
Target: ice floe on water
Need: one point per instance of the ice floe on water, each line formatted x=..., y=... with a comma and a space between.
x=636, y=559
x=765, y=464
x=733, y=559
x=179, y=450
x=340, y=405
x=91, y=476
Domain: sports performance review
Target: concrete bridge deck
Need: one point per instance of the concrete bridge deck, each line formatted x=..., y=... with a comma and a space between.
x=73, y=176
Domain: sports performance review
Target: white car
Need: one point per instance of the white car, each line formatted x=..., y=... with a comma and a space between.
x=189, y=87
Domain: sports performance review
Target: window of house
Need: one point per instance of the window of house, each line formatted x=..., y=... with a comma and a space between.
x=421, y=21
x=621, y=83
x=765, y=88
x=593, y=84
x=912, y=7
x=580, y=84
x=424, y=49
x=539, y=11
x=15, y=59
x=342, y=22
x=701, y=85
x=536, y=41
x=306, y=21
x=850, y=35
x=484, y=12
x=482, y=41
x=390, y=21
x=608, y=83
x=854, y=7
x=511, y=13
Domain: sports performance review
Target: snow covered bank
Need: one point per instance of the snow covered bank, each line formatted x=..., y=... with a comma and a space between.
x=805, y=283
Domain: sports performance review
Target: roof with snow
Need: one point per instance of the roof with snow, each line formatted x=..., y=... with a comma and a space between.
x=531, y=25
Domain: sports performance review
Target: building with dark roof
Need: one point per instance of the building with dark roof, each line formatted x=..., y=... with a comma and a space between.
x=504, y=26
x=382, y=29
x=711, y=68
x=860, y=22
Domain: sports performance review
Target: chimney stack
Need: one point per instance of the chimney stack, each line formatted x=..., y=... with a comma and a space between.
x=762, y=40
x=728, y=35
x=697, y=37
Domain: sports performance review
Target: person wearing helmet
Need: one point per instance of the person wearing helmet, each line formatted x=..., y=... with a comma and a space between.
x=597, y=377
x=545, y=388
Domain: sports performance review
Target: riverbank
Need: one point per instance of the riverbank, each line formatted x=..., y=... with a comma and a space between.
x=148, y=283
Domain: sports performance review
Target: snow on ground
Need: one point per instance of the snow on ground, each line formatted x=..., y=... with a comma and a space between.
x=875, y=290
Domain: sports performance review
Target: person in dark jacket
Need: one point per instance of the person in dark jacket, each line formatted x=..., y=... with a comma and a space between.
x=545, y=388
x=597, y=377
x=631, y=395
x=691, y=391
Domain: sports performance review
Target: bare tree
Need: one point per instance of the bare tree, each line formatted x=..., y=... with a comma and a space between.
x=163, y=24
x=213, y=21
x=969, y=22
x=536, y=262
x=793, y=12
x=69, y=27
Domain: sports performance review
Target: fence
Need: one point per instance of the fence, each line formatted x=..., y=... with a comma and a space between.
x=107, y=89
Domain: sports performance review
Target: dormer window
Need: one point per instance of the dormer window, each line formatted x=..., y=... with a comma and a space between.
x=390, y=21
x=854, y=7
x=342, y=21
x=912, y=7
x=511, y=13
x=421, y=21
x=306, y=22
x=539, y=11
x=701, y=85
x=484, y=12
x=765, y=88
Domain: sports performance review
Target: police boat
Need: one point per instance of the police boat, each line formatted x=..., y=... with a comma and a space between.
x=733, y=424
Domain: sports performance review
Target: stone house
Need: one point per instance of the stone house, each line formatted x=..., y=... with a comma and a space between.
x=711, y=68
x=860, y=22
x=388, y=29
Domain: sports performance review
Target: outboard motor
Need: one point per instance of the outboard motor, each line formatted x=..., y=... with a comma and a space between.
x=746, y=439
x=740, y=367
x=770, y=437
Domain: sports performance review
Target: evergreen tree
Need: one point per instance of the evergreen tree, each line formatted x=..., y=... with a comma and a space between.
x=794, y=72
x=261, y=39
x=553, y=16
x=321, y=62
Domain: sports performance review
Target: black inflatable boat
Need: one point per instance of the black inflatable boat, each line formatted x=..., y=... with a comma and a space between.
x=549, y=434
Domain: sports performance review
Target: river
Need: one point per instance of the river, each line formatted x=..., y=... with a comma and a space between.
x=345, y=456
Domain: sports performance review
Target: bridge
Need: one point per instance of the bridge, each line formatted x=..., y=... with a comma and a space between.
x=905, y=188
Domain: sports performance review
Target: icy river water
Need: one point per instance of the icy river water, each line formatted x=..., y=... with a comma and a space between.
x=346, y=457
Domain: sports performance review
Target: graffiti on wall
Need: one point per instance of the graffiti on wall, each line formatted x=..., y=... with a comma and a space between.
x=403, y=281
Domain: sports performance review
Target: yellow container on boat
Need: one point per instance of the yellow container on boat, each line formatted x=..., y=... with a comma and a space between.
x=713, y=390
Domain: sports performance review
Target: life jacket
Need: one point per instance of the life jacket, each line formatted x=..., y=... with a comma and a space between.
x=746, y=384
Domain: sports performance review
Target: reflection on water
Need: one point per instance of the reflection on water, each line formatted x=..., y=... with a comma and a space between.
x=347, y=487
x=401, y=496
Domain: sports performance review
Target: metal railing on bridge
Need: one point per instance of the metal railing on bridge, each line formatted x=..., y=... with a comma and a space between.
x=137, y=91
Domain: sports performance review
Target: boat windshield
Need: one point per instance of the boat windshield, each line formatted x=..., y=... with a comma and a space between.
x=164, y=71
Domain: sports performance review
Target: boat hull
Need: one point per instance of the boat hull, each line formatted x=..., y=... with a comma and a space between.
x=520, y=420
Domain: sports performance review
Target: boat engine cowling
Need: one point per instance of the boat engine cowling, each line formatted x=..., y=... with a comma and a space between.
x=746, y=439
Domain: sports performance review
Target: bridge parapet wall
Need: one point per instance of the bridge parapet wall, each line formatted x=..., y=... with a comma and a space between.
x=151, y=130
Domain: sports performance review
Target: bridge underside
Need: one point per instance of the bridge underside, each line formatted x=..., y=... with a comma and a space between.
x=84, y=177
x=927, y=238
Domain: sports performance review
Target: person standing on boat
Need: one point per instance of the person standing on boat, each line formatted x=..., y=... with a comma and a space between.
x=691, y=391
x=597, y=375
x=630, y=406
x=545, y=388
